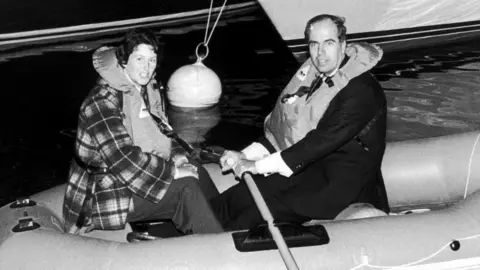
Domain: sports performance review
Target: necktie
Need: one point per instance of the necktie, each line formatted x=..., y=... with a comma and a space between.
x=316, y=83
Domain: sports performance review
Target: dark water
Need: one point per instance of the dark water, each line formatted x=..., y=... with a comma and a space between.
x=43, y=88
x=431, y=92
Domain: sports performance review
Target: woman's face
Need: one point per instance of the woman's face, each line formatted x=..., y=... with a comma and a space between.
x=141, y=64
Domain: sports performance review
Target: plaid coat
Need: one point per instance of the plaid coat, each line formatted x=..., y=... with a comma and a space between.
x=103, y=141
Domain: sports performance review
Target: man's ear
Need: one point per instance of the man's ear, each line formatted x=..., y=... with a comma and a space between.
x=344, y=46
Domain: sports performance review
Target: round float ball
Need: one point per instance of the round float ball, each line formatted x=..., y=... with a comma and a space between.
x=194, y=86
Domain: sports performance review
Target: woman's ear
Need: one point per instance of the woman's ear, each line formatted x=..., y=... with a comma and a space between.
x=123, y=62
x=120, y=54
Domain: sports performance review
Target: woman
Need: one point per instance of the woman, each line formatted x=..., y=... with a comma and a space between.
x=125, y=168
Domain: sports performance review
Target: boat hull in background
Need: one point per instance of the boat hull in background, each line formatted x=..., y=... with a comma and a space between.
x=84, y=20
x=395, y=25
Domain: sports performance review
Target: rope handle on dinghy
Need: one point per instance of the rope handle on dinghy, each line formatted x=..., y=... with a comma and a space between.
x=470, y=161
x=454, y=245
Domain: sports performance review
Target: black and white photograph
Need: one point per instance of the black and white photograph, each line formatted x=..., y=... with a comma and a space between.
x=240, y=134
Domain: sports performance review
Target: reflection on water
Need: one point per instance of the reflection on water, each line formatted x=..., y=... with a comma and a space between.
x=432, y=95
x=248, y=101
x=429, y=92
x=193, y=124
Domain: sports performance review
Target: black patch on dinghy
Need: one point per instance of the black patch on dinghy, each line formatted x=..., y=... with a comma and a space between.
x=22, y=202
x=26, y=224
x=295, y=235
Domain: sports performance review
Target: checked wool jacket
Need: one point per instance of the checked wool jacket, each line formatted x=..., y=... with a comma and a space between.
x=104, y=141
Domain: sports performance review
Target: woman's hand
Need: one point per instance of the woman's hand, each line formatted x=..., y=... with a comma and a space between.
x=180, y=160
x=186, y=170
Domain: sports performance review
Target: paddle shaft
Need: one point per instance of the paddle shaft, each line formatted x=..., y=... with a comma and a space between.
x=267, y=216
x=168, y=131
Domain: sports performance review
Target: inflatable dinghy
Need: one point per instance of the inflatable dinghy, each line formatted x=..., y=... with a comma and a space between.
x=433, y=188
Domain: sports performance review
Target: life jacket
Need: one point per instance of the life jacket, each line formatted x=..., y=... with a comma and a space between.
x=140, y=124
x=290, y=122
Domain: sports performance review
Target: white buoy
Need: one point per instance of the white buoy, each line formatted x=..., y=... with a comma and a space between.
x=194, y=86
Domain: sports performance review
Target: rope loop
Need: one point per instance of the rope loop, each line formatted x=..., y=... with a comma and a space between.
x=201, y=56
x=207, y=37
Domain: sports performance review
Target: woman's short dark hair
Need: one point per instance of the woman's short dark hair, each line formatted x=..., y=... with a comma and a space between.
x=132, y=39
x=338, y=21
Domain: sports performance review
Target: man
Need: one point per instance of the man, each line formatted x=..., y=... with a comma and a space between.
x=324, y=140
x=126, y=169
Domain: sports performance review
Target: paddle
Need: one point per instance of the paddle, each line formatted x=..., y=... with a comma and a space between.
x=214, y=157
x=210, y=154
x=267, y=216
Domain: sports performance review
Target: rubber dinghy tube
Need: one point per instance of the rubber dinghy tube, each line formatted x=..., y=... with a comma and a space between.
x=267, y=216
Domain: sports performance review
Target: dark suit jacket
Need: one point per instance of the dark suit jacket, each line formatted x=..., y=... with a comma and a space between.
x=331, y=168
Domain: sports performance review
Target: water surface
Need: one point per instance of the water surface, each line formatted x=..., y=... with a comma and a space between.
x=430, y=92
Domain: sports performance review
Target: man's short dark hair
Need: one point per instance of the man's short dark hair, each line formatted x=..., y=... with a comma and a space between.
x=132, y=39
x=337, y=20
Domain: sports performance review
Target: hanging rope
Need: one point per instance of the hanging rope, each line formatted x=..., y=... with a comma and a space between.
x=207, y=37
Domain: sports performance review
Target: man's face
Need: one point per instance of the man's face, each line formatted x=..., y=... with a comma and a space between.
x=326, y=50
x=141, y=64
